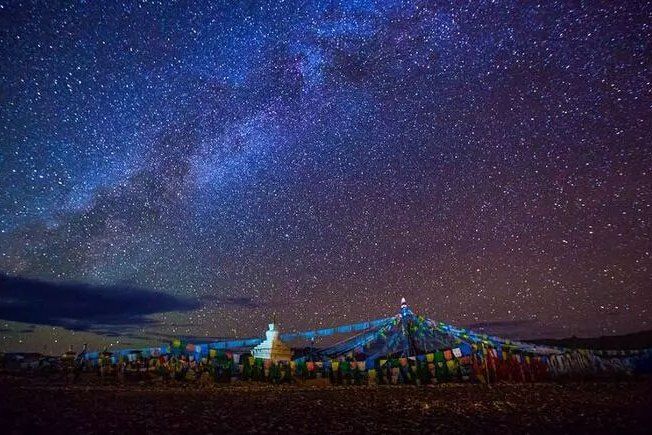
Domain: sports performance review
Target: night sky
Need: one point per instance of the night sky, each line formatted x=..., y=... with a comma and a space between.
x=182, y=169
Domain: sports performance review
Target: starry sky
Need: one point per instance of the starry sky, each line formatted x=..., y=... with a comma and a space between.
x=177, y=169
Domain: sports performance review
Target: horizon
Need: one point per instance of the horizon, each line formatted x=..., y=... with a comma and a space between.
x=516, y=330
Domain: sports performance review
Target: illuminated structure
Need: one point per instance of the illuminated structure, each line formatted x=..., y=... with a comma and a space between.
x=272, y=348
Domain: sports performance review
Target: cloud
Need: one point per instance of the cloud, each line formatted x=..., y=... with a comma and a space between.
x=500, y=324
x=240, y=302
x=507, y=328
x=83, y=307
x=232, y=302
x=523, y=329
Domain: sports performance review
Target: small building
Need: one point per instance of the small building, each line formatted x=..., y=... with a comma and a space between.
x=272, y=348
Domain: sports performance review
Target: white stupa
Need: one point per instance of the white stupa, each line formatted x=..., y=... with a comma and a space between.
x=272, y=348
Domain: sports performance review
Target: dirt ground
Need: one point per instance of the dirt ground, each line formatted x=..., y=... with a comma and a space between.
x=41, y=405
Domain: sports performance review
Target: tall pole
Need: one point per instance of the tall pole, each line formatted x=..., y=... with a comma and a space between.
x=485, y=357
x=405, y=312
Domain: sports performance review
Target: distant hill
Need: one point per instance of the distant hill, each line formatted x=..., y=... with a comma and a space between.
x=636, y=340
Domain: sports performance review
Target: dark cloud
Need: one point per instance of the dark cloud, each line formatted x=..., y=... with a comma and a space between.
x=26, y=330
x=240, y=302
x=500, y=324
x=83, y=307
x=510, y=328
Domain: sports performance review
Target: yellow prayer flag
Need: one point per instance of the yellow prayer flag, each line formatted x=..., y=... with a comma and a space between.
x=430, y=357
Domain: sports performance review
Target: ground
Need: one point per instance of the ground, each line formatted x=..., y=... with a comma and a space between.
x=37, y=405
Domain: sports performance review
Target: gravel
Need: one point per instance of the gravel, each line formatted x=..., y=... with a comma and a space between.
x=39, y=405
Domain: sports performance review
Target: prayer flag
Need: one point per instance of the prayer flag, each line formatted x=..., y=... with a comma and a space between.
x=466, y=349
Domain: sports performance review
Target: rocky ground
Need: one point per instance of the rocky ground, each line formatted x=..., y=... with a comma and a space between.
x=39, y=405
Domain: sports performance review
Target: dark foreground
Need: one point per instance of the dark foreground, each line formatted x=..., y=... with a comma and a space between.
x=40, y=405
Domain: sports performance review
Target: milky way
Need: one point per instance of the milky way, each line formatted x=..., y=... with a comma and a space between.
x=489, y=161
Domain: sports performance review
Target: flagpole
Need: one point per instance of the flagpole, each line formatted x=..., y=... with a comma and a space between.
x=486, y=361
